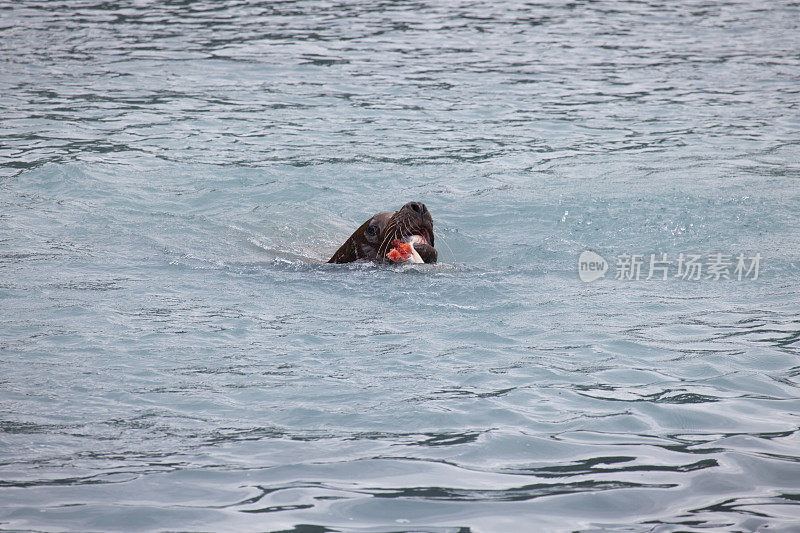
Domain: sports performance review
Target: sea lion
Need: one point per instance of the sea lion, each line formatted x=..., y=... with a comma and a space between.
x=372, y=241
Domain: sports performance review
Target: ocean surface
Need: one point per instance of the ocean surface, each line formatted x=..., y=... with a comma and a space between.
x=176, y=356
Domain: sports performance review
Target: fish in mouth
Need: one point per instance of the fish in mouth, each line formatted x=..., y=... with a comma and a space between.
x=373, y=241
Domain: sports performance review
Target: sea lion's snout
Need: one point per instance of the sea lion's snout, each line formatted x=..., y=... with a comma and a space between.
x=415, y=219
x=417, y=207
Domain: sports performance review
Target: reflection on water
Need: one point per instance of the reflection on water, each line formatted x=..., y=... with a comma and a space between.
x=174, y=356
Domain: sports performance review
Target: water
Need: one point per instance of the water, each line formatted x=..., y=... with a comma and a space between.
x=174, y=356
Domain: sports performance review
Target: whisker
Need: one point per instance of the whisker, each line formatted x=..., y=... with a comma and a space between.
x=441, y=236
x=389, y=236
x=383, y=243
x=406, y=228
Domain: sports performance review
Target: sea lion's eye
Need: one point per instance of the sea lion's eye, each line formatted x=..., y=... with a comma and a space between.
x=372, y=230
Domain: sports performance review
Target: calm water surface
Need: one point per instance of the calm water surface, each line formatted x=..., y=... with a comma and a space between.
x=173, y=356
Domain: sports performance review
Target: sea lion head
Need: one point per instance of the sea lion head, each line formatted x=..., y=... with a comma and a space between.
x=373, y=239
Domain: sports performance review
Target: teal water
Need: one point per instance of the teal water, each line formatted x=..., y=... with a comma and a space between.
x=175, y=357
